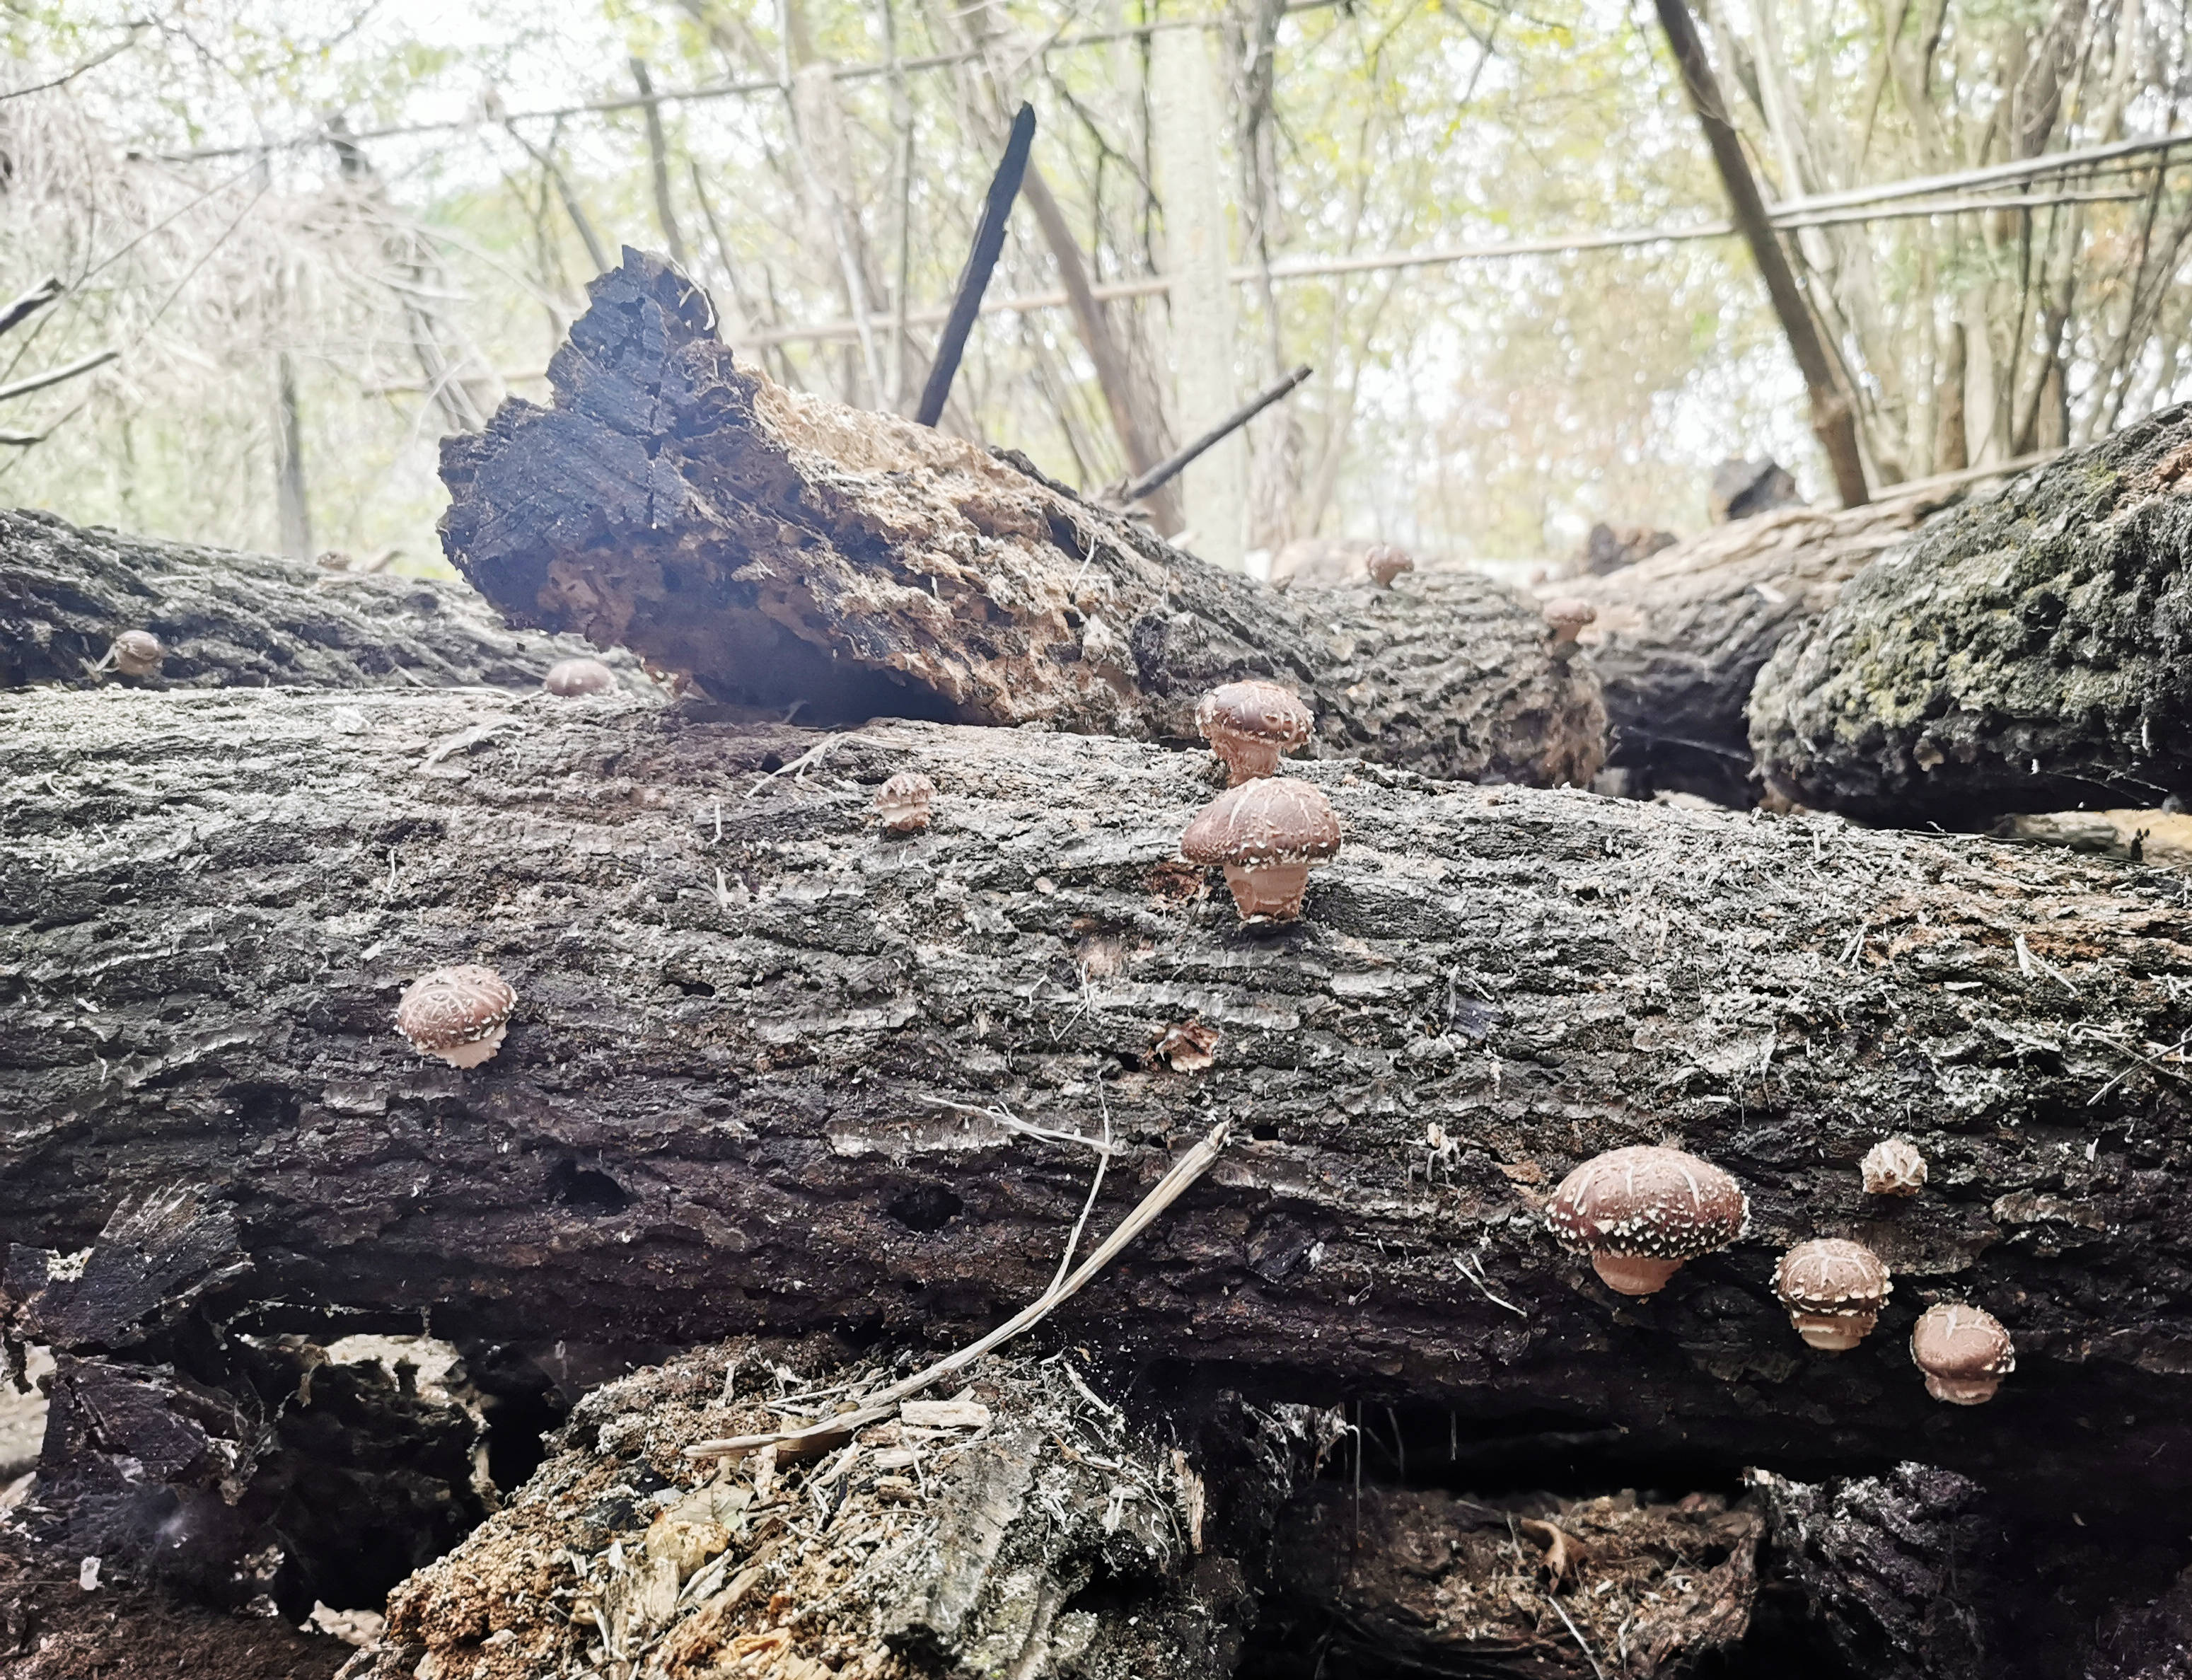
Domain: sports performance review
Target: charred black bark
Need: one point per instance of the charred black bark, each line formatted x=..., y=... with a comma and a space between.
x=2032, y=652
x=230, y=618
x=793, y=553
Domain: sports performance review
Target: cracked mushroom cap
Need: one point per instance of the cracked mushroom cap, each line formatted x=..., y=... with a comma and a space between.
x=1893, y=1167
x=1964, y=1352
x=903, y=802
x=1249, y=725
x=1273, y=820
x=1833, y=1289
x=1641, y=1212
x=459, y=1014
x=571, y=678
x=138, y=652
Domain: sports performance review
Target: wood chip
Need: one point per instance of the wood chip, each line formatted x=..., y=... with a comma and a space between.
x=898, y=1488
x=944, y=1413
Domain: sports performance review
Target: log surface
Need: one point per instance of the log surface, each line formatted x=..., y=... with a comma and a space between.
x=767, y=1067
x=793, y=553
x=228, y=618
x=2032, y=652
x=1681, y=636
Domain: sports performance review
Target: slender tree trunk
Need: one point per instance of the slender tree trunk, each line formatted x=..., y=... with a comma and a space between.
x=657, y=158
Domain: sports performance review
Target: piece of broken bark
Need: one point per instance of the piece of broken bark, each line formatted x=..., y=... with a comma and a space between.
x=2032, y=651
x=793, y=553
x=1681, y=636
x=777, y=1069
x=1050, y=1537
x=2142, y=836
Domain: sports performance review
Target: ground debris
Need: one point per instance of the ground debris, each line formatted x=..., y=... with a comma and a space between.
x=979, y=1540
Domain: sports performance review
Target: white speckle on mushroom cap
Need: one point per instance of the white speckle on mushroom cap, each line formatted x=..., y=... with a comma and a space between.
x=1266, y=833
x=1893, y=1167
x=459, y=1014
x=1250, y=724
x=904, y=802
x=1646, y=1202
x=1833, y=1289
x=138, y=652
x=1964, y=1352
x=571, y=678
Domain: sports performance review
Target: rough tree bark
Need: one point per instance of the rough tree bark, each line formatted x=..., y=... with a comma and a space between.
x=1681, y=636
x=229, y=618
x=751, y=1079
x=788, y=552
x=2032, y=652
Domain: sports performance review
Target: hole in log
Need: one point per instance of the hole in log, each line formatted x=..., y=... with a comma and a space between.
x=925, y=1206
x=584, y=1190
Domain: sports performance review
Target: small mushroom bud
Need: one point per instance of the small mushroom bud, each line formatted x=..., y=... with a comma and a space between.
x=459, y=1014
x=1833, y=1290
x=137, y=652
x=1963, y=1351
x=1249, y=724
x=1641, y=1212
x=903, y=802
x=1384, y=562
x=1266, y=833
x=1568, y=615
x=573, y=677
x=1893, y=1167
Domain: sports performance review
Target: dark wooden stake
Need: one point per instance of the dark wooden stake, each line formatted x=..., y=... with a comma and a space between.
x=974, y=278
x=1832, y=420
x=1166, y=471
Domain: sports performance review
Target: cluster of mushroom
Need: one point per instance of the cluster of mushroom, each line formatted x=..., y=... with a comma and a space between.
x=1640, y=1212
x=1265, y=830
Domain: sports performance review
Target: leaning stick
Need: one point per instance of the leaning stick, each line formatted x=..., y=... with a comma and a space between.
x=1168, y=469
x=988, y=241
x=1167, y=1191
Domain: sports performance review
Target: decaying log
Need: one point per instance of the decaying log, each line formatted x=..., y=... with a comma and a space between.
x=1368, y=1582
x=793, y=553
x=227, y=618
x=1028, y=1529
x=2030, y=652
x=1681, y=636
x=771, y=1070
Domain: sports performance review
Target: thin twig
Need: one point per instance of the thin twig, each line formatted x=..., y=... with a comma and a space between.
x=1096, y=1184
x=1167, y=1191
x=1581, y=1644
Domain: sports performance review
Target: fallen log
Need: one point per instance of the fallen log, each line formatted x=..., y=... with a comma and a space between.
x=2029, y=652
x=771, y=1070
x=1681, y=636
x=788, y=552
x=226, y=618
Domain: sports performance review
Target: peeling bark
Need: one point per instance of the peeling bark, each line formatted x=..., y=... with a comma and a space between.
x=790, y=552
x=229, y=619
x=2030, y=652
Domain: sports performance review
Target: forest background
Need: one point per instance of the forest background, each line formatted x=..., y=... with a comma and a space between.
x=317, y=237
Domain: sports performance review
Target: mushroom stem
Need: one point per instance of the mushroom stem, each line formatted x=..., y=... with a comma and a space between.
x=1634, y=1274
x=1246, y=757
x=1833, y=1332
x=1272, y=889
x=1962, y=1391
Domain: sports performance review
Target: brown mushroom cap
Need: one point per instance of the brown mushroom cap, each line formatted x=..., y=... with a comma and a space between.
x=903, y=802
x=1569, y=613
x=1833, y=1289
x=458, y=1014
x=1249, y=724
x=1270, y=820
x=1893, y=1167
x=570, y=678
x=1384, y=562
x=1964, y=1352
x=138, y=652
x=1648, y=1204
